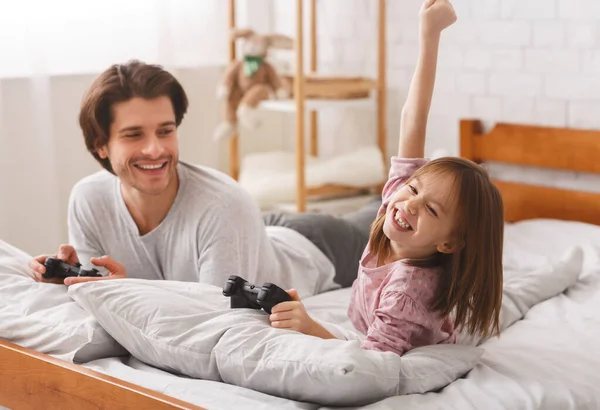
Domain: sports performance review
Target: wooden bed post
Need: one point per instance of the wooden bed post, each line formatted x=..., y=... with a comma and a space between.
x=234, y=143
x=314, y=139
x=382, y=84
x=299, y=97
x=469, y=130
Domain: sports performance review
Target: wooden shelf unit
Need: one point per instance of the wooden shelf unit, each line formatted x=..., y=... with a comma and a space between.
x=300, y=105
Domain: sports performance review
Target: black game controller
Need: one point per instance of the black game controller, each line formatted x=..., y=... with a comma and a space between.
x=247, y=296
x=56, y=268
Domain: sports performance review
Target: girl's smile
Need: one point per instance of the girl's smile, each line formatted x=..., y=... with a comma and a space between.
x=400, y=221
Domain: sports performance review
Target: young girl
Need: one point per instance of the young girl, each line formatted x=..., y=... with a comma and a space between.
x=433, y=264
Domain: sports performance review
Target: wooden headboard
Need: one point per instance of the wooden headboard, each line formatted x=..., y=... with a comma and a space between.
x=545, y=147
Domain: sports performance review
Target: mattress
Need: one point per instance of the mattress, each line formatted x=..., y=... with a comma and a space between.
x=547, y=360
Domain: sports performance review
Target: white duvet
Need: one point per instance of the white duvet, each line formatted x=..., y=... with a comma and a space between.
x=548, y=356
x=547, y=360
x=189, y=329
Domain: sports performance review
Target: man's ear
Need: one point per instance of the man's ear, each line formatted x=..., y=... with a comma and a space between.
x=102, y=152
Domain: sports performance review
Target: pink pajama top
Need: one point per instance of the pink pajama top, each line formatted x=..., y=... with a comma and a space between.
x=392, y=304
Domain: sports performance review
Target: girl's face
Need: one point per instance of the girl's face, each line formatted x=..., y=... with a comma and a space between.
x=420, y=217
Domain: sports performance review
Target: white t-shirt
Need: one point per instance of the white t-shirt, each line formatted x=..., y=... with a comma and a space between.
x=214, y=229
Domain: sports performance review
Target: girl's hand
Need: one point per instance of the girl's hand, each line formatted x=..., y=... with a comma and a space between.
x=436, y=15
x=292, y=315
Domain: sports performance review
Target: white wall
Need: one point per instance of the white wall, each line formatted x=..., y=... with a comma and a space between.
x=520, y=61
x=530, y=61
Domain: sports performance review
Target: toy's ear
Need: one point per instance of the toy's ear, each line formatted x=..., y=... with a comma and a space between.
x=280, y=41
x=238, y=33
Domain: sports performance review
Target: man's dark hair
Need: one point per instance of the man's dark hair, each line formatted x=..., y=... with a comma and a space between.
x=119, y=83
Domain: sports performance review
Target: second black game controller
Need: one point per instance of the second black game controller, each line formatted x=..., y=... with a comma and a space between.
x=246, y=295
x=57, y=268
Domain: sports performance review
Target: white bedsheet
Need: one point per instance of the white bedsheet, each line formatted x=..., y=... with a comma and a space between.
x=548, y=360
x=208, y=394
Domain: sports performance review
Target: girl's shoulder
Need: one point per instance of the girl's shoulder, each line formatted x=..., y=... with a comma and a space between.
x=393, y=273
x=368, y=263
x=419, y=283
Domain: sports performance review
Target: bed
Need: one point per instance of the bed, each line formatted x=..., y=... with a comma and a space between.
x=547, y=357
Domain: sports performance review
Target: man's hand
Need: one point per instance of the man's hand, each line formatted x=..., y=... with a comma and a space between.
x=436, y=15
x=116, y=270
x=66, y=253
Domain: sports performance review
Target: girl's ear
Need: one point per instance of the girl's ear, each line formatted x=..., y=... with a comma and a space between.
x=452, y=246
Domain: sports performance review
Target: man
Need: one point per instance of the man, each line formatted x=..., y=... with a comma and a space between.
x=149, y=215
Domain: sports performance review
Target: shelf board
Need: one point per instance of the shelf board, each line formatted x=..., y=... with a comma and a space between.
x=289, y=105
x=337, y=190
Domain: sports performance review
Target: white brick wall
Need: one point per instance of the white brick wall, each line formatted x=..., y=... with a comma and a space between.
x=523, y=61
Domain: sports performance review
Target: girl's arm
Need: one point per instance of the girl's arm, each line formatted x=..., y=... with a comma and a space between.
x=436, y=15
x=293, y=316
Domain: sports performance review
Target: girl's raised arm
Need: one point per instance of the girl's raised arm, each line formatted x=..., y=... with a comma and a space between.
x=435, y=16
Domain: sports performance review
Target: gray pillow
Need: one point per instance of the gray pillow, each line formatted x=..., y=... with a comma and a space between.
x=341, y=238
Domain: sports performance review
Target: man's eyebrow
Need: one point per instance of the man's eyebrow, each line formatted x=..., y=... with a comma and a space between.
x=137, y=127
x=166, y=123
x=132, y=128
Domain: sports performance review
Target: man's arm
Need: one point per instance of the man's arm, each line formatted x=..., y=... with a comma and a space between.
x=81, y=232
x=231, y=240
x=82, y=247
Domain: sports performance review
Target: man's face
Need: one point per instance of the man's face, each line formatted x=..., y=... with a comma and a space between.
x=143, y=147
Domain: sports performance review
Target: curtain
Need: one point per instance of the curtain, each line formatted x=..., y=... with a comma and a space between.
x=61, y=37
x=49, y=53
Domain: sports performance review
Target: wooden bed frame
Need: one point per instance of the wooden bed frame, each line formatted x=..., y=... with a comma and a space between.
x=31, y=380
x=544, y=147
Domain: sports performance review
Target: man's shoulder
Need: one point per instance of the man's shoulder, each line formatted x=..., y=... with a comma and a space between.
x=93, y=186
x=210, y=183
x=210, y=191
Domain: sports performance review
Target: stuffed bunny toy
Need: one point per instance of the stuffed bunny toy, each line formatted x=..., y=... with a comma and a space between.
x=249, y=81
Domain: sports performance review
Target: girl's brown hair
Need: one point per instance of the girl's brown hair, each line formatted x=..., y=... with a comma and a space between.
x=122, y=82
x=472, y=285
